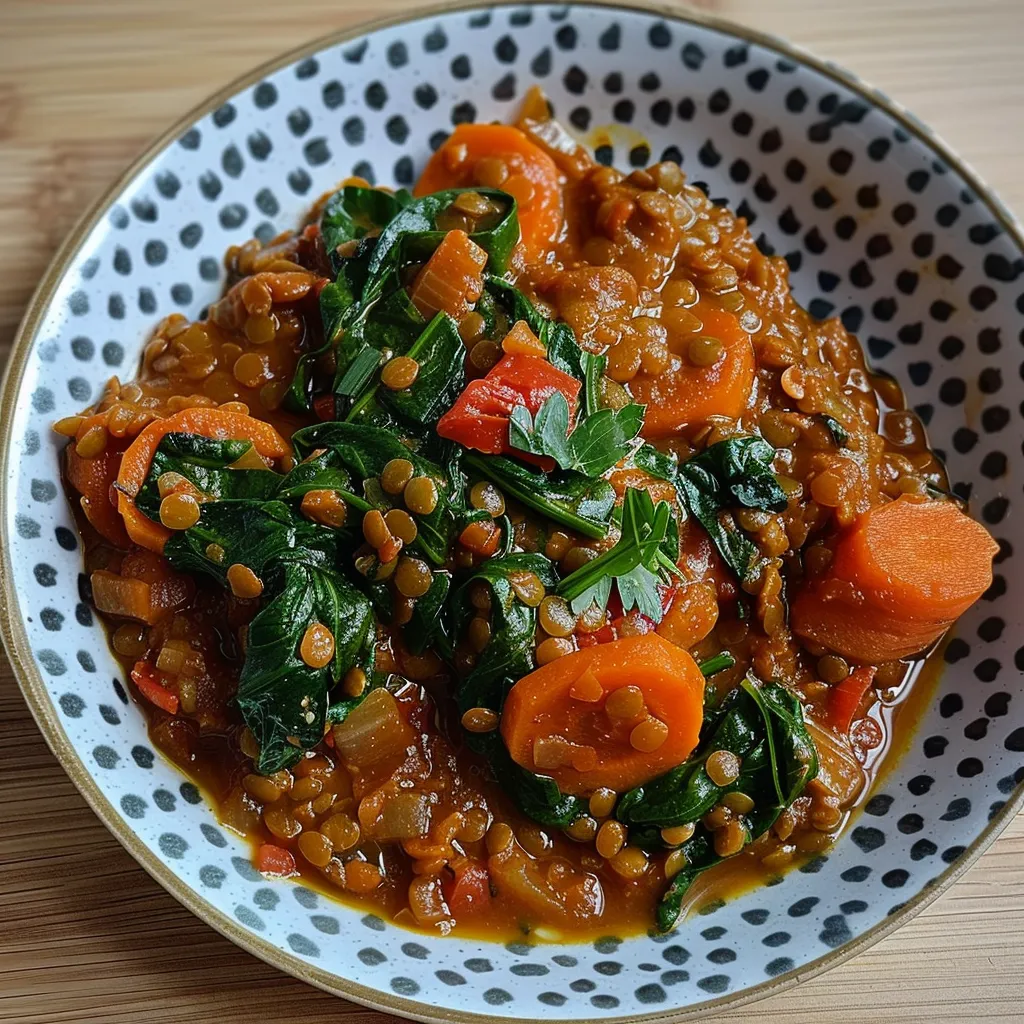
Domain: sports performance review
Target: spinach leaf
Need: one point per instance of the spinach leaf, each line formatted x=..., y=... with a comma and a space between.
x=413, y=235
x=537, y=796
x=364, y=451
x=598, y=442
x=353, y=211
x=717, y=663
x=282, y=699
x=440, y=353
x=508, y=655
x=634, y=563
x=429, y=625
x=204, y=462
x=566, y=498
x=737, y=471
x=762, y=724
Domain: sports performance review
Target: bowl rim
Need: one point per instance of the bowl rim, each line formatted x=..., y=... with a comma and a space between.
x=26, y=669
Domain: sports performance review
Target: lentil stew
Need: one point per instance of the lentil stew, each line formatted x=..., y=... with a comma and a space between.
x=516, y=555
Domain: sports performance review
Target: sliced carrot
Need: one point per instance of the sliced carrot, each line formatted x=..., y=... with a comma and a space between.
x=92, y=478
x=548, y=717
x=481, y=537
x=844, y=699
x=144, y=677
x=275, y=860
x=213, y=423
x=532, y=178
x=687, y=393
x=452, y=278
x=900, y=576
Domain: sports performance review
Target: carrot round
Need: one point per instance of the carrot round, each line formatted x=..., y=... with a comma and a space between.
x=900, y=576
x=575, y=720
x=92, y=478
x=532, y=178
x=687, y=393
x=213, y=423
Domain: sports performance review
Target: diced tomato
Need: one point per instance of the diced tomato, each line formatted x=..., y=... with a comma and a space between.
x=479, y=418
x=275, y=860
x=323, y=406
x=144, y=677
x=469, y=890
x=844, y=699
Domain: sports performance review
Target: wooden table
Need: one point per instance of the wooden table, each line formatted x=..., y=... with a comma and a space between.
x=85, y=934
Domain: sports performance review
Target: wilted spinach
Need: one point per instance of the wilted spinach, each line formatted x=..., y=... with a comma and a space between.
x=762, y=724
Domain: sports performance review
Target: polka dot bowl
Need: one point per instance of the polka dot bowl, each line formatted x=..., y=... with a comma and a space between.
x=880, y=223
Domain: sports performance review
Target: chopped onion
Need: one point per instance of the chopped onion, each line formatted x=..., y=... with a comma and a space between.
x=373, y=732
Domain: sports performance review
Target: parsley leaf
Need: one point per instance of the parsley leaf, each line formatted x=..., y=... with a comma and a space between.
x=637, y=563
x=598, y=442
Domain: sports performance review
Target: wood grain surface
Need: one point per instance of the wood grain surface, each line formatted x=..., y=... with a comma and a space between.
x=85, y=934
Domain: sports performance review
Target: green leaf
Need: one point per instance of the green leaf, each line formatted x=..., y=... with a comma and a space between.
x=598, y=442
x=358, y=373
x=509, y=652
x=282, y=699
x=429, y=626
x=566, y=498
x=840, y=435
x=717, y=663
x=412, y=235
x=636, y=562
x=204, y=462
x=364, y=451
x=440, y=353
x=762, y=724
x=508, y=657
x=353, y=211
x=737, y=471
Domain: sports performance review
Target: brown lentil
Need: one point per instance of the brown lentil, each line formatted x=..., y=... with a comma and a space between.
x=723, y=767
x=179, y=511
x=395, y=475
x=402, y=525
x=413, y=577
x=244, y=583
x=317, y=647
x=602, y=802
x=553, y=648
x=399, y=373
x=325, y=507
x=626, y=702
x=648, y=735
x=556, y=617
x=354, y=682
x=484, y=495
x=527, y=587
x=630, y=863
x=480, y=720
x=420, y=495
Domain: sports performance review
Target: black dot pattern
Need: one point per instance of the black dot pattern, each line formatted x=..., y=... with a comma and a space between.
x=876, y=228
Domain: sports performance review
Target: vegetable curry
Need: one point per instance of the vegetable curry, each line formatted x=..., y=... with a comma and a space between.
x=516, y=556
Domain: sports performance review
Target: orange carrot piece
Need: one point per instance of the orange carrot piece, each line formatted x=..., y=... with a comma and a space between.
x=92, y=478
x=521, y=341
x=685, y=393
x=899, y=578
x=213, y=423
x=452, y=277
x=275, y=860
x=598, y=750
x=533, y=178
x=115, y=595
x=144, y=678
